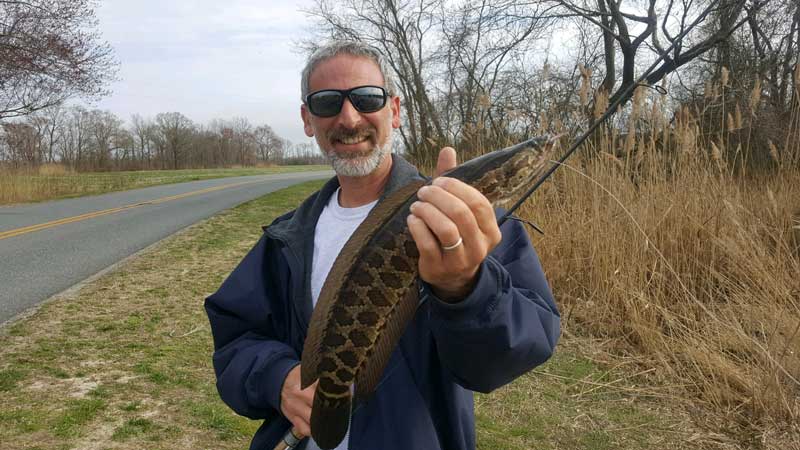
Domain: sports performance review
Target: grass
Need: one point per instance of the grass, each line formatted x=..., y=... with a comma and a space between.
x=49, y=184
x=125, y=363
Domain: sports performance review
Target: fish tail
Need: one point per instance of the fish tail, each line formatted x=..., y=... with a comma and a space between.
x=330, y=418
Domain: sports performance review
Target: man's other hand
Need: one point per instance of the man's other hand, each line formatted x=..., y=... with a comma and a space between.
x=296, y=402
x=449, y=210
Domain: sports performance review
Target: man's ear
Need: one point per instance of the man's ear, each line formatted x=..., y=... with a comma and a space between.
x=394, y=104
x=306, y=121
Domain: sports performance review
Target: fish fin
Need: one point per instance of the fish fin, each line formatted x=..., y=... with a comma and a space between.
x=370, y=374
x=330, y=419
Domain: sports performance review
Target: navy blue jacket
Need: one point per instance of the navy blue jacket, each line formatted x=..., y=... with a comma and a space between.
x=505, y=327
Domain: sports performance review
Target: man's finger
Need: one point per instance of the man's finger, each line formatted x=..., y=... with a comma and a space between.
x=447, y=160
x=302, y=425
x=475, y=201
x=308, y=394
x=427, y=244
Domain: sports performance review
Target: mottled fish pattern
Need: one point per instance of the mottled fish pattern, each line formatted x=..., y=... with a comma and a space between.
x=371, y=292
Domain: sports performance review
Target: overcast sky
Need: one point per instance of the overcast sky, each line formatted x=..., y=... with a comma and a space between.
x=207, y=59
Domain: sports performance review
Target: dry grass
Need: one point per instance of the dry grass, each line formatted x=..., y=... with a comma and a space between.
x=676, y=255
x=54, y=181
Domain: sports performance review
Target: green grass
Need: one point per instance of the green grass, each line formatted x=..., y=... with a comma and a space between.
x=77, y=414
x=9, y=378
x=126, y=364
x=133, y=427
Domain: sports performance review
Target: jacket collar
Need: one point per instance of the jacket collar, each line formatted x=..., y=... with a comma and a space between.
x=293, y=230
x=296, y=230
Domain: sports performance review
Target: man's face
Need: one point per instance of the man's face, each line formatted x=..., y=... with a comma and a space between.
x=355, y=142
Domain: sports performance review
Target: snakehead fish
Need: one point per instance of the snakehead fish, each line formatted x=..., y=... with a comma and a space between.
x=371, y=292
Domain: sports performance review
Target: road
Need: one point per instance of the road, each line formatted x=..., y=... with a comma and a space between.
x=47, y=247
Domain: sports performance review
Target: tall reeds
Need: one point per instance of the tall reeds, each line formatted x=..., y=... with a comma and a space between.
x=677, y=256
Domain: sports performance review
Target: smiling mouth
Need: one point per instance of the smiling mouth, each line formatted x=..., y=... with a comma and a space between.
x=349, y=140
x=351, y=136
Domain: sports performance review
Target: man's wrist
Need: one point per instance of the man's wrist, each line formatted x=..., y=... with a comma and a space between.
x=456, y=293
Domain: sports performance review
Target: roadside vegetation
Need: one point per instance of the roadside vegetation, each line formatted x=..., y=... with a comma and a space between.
x=55, y=181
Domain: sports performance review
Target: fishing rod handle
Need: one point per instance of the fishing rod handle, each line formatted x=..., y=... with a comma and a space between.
x=290, y=440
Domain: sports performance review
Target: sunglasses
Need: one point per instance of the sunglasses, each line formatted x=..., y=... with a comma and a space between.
x=328, y=102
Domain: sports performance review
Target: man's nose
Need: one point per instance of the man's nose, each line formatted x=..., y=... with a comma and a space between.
x=349, y=115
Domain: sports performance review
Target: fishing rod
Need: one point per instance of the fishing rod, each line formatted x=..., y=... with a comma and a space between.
x=624, y=96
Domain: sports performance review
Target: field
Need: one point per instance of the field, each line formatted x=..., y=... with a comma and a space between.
x=50, y=182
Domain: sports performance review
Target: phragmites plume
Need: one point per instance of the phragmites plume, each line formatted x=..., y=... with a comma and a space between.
x=739, y=120
x=716, y=154
x=724, y=77
x=600, y=104
x=755, y=97
x=773, y=152
x=586, y=84
x=636, y=104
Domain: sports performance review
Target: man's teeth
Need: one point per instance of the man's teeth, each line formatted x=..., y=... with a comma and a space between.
x=353, y=139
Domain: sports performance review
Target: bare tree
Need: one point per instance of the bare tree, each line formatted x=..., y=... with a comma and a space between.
x=270, y=146
x=774, y=49
x=107, y=137
x=142, y=131
x=22, y=141
x=243, y=141
x=659, y=25
x=174, y=135
x=480, y=42
x=76, y=142
x=448, y=58
x=49, y=52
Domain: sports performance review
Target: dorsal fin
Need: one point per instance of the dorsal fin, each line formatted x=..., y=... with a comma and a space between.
x=377, y=218
x=367, y=378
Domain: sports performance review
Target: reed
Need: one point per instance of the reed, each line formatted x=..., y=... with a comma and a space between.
x=673, y=254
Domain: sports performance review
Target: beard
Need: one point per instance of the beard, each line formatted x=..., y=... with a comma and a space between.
x=358, y=164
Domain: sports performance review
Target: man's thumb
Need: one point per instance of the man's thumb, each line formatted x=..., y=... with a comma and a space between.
x=447, y=160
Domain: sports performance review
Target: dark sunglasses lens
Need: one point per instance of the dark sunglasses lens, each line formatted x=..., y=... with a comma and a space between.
x=368, y=99
x=325, y=103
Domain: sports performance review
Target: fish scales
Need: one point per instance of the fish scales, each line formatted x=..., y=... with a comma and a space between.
x=371, y=293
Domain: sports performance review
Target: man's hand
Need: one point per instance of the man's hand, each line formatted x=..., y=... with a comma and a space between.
x=447, y=211
x=296, y=403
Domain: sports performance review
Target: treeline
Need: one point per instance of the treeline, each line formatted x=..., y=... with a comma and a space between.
x=94, y=140
x=50, y=54
x=481, y=74
x=474, y=74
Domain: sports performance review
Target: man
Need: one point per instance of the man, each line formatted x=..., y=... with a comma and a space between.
x=486, y=314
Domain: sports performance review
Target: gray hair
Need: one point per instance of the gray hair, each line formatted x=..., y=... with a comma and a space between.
x=353, y=48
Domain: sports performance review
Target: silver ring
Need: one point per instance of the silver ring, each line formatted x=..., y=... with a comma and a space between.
x=454, y=246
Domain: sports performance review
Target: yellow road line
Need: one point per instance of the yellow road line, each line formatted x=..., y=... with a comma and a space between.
x=66, y=220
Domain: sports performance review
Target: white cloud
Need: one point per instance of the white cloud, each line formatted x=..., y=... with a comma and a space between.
x=208, y=59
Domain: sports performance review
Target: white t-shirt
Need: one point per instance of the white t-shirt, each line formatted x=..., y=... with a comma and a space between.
x=334, y=227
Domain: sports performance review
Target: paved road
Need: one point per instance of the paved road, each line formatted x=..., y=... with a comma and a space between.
x=38, y=261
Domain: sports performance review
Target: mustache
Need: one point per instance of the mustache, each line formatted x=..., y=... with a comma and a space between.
x=340, y=133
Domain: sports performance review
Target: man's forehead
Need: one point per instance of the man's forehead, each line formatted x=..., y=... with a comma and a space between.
x=345, y=70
